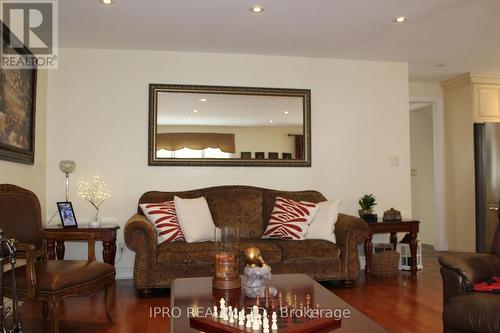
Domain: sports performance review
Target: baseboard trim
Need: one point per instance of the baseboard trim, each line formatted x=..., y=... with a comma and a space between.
x=124, y=273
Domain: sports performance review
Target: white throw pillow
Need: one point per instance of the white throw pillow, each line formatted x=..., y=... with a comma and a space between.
x=195, y=219
x=323, y=222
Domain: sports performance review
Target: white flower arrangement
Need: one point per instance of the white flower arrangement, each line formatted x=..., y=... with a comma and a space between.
x=94, y=191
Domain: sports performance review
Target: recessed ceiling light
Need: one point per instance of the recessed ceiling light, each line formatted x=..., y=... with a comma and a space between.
x=285, y=112
x=257, y=9
x=189, y=119
x=401, y=19
x=195, y=111
x=107, y=2
x=271, y=121
x=203, y=99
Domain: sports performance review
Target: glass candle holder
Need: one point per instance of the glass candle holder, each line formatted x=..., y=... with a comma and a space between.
x=227, y=247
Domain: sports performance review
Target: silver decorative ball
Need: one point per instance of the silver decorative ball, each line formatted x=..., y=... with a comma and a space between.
x=67, y=166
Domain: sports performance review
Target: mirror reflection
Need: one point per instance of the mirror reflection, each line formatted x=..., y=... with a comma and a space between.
x=229, y=125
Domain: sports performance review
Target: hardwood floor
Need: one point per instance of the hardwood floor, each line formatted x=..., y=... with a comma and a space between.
x=402, y=304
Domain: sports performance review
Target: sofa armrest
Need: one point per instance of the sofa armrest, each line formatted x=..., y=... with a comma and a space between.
x=472, y=267
x=350, y=231
x=140, y=237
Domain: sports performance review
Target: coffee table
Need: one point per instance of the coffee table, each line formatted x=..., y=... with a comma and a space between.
x=197, y=292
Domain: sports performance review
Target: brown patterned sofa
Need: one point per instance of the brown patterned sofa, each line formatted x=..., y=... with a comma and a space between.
x=249, y=208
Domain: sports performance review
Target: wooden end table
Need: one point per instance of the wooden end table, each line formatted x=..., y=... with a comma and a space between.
x=392, y=227
x=105, y=233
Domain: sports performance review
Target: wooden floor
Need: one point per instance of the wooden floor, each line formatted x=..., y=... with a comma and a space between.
x=401, y=304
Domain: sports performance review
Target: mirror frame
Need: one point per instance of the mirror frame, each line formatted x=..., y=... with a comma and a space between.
x=155, y=88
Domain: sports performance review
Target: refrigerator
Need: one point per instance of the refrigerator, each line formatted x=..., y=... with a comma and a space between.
x=487, y=170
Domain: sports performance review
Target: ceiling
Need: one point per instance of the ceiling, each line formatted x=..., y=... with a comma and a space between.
x=462, y=35
x=228, y=110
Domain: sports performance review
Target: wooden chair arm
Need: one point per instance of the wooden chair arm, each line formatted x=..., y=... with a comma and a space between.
x=72, y=236
x=31, y=281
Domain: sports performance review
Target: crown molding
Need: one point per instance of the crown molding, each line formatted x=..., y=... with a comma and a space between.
x=471, y=78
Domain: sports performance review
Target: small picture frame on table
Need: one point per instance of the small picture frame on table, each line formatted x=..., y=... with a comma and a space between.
x=67, y=214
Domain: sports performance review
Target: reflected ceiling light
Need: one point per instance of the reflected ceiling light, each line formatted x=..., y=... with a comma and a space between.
x=257, y=9
x=189, y=119
x=285, y=112
x=195, y=111
x=203, y=99
x=107, y=2
x=271, y=121
x=401, y=19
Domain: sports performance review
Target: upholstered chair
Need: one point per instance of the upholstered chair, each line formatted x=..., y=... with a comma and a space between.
x=467, y=311
x=41, y=279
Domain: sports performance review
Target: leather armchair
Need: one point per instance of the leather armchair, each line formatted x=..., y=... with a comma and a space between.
x=41, y=279
x=465, y=311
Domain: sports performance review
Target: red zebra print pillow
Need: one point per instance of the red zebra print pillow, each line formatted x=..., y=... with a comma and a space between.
x=164, y=218
x=290, y=219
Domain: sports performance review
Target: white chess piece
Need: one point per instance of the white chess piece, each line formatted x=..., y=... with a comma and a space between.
x=274, y=326
x=249, y=321
x=241, y=318
x=255, y=325
x=226, y=315
x=214, y=313
x=222, y=303
x=235, y=314
x=264, y=314
x=231, y=317
x=265, y=325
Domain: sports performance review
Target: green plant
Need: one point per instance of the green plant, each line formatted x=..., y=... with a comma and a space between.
x=367, y=202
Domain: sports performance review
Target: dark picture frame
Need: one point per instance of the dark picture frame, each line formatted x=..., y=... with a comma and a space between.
x=304, y=94
x=67, y=214
x=17, y=109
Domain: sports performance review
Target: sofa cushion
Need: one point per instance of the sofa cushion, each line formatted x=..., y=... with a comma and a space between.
x=309, y=250
x=473, y=312
x=204, y=252
x=237, y=207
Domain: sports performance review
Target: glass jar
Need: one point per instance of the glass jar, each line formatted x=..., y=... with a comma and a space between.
x=227, y=247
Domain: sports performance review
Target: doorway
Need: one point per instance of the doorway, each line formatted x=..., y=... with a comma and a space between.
x=427, y=169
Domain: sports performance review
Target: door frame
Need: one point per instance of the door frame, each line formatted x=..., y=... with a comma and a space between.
x=440, y=215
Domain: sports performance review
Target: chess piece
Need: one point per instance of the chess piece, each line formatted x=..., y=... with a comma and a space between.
x=214, y=313
x=225, y=315
x=264, y=314
x=241, y=318
x=235, y=314
x=231, y=317
x=280, y=300
x=274, y=317
x=266, y=298
x=249, y=321
x=222, y=307
x=265, y=325
x=273, y=305
x=308, y=302
x=257, y=300
x=256, y=325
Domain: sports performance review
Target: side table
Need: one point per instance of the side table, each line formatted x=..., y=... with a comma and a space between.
x=105, y=233
x=408, y=226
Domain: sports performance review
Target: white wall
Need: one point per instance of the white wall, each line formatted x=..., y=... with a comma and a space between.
x=248, y=138
x=422, y=165
x=32, y=177
x=98, y=102
x=425, y=89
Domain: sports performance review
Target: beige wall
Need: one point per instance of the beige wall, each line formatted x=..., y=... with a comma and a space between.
x=98, y=102
x=460, y=188
x=425, y=89
x=248, y=138
x=32, y=177
x=422, y=165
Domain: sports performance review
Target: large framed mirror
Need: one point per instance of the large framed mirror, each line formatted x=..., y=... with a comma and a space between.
x=229, y=126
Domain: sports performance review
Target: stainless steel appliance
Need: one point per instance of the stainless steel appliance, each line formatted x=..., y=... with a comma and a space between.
x=487, y=168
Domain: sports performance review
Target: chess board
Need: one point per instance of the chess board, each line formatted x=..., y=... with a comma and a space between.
x=287, y=325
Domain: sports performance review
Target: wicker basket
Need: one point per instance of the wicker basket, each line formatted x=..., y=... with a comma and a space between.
x=385, y=263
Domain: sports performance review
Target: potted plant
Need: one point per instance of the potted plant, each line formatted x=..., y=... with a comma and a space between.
x=367, y=202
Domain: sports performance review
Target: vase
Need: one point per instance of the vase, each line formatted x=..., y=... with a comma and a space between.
x=96, y=222
x=227, y=242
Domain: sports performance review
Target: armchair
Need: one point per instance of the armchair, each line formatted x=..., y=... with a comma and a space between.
x=470, y=311
x=43, y=280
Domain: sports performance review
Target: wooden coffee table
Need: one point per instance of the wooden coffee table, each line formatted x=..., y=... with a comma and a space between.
x=197, y=292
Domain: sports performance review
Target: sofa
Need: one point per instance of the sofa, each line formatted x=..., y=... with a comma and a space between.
x=249, y=208
x=469, y=311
